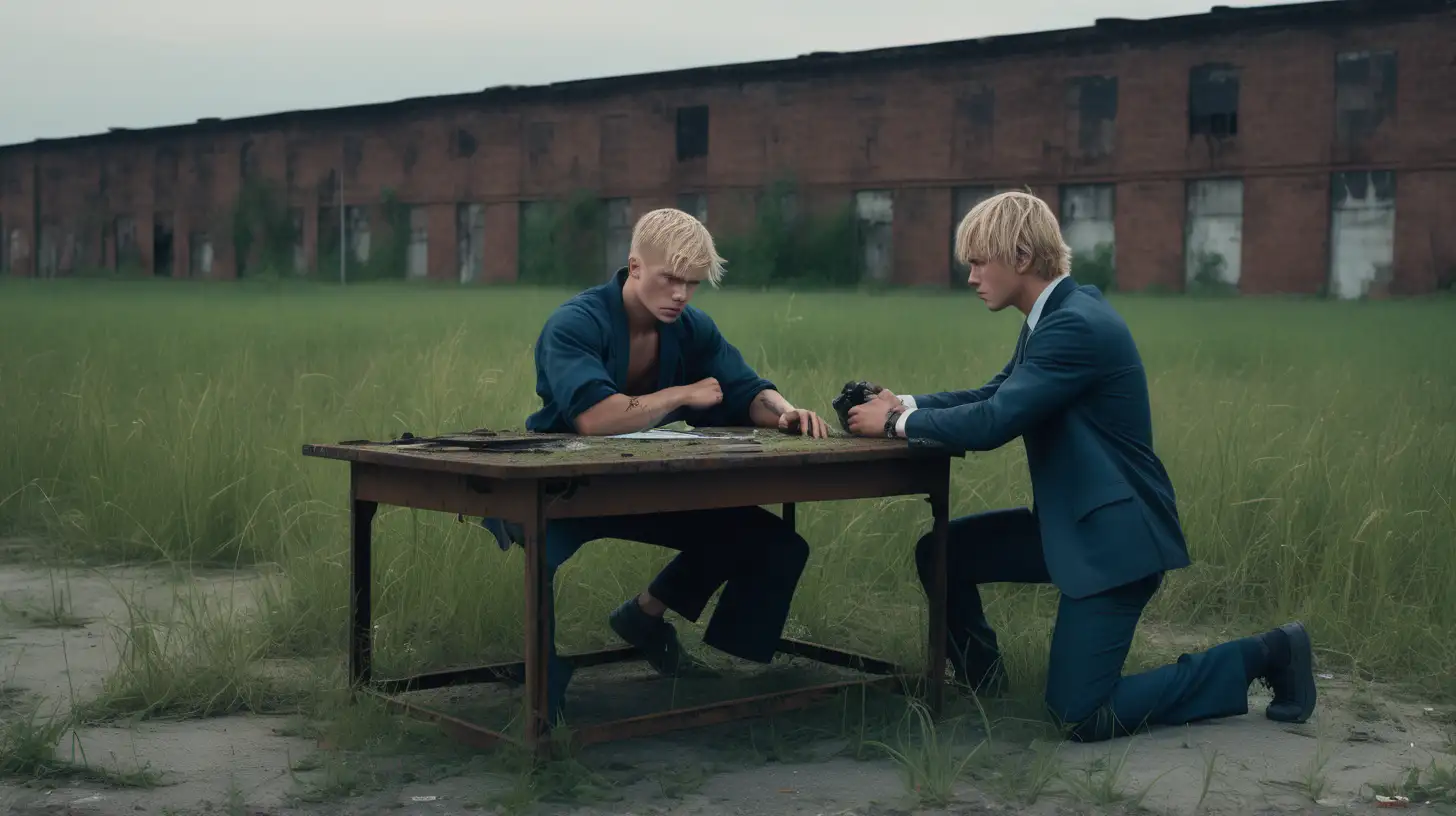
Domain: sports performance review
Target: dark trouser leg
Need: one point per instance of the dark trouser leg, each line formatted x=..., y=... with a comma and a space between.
x=1087, y=692
x=1000, y=546
x=750, y=552
x=753, y=551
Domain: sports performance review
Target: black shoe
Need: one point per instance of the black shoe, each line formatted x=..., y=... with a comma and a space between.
x=1291, y=679
x=657, y=641
x=989, y=682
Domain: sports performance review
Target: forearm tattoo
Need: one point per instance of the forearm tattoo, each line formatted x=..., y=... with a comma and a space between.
x=633, y=404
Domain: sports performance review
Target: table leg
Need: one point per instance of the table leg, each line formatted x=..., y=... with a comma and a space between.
x=538, y=628
x=361, y=636
x=940, y=511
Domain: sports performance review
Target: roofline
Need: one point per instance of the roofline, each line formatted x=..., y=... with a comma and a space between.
x=1219, y=21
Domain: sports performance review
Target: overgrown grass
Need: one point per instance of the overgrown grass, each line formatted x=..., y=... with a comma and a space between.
x=1312, y=444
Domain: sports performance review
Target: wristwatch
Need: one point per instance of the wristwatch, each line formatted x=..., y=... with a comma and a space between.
x=890, y=419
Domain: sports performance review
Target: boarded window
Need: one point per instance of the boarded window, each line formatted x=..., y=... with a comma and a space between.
x=694, y=204
x=619, y=234
x=357, y=233
x=199, y=247
x=1364, y=94
x=1213, y=100
x=295, y=223
x=17, y=248
x=1362, y=232
x=1092, y=115
x=1088, y=215
x=48, y=260
x=875, y=217
x=1213, y=241
x=73, y=253
x=692, y=132
x=470, y=241
x=124, y=234
x=418, y=260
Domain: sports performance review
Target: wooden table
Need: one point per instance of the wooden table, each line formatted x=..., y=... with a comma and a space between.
x=533, y=478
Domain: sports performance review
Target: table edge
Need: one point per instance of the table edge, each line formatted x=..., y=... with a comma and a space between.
x=625, y=467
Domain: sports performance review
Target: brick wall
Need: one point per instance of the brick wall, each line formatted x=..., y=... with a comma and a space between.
x=919, y=131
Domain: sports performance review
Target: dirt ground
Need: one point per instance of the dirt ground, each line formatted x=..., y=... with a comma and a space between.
x=61, y=652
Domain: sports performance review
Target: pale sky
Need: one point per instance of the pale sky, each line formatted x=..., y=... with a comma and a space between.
x=80, y=66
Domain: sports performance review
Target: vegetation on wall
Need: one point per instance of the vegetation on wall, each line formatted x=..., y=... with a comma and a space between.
x=563, y=242
x=794, y=247
x=389, y=238
x=263, y=233
x=1208, y=275
x=1097, y=267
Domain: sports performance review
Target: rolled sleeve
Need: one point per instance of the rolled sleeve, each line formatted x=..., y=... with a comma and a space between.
x=571, y=356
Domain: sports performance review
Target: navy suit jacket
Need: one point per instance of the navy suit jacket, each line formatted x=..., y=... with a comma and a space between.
x=1076, y=393
x=582, y=356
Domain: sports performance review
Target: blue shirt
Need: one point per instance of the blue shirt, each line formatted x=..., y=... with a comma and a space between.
x=582, y=357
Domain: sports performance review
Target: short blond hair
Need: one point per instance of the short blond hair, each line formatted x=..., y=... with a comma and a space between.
x=680, y=242
x=1013, y=227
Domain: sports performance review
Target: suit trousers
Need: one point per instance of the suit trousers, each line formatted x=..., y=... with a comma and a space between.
x=1086, y=691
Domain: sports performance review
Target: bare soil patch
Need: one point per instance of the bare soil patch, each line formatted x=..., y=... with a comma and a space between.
x=59, y=642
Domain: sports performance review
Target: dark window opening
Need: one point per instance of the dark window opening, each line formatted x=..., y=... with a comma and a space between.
x=463, y=143
x=162, y=245
x=290, y=168
x=539, y=139
x=1093, y=101
x=1213, y=101
x=353, y=156
x=1364, y=93
x=247, y=160
x=692, y=132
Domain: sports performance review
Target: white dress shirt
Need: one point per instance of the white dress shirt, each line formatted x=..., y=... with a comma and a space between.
x=1032, y=317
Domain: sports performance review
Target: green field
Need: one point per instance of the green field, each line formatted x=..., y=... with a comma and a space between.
x=1312, y=445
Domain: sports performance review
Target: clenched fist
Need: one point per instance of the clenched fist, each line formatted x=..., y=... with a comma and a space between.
x=704, y=393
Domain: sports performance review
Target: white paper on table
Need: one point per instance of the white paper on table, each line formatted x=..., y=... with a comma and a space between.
x=659, y=433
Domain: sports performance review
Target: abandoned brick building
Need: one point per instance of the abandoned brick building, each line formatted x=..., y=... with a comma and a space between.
x=1306, y=148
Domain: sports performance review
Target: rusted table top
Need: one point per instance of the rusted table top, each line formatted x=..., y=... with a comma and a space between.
x=525, y=455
